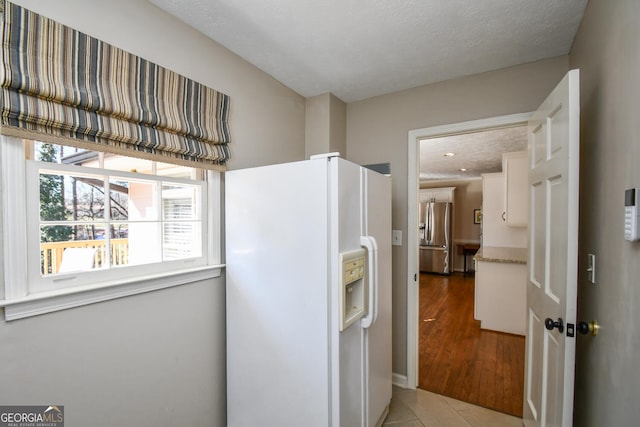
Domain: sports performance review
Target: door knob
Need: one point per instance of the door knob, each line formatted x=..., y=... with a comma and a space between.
x=591, y=327
x=550, y=324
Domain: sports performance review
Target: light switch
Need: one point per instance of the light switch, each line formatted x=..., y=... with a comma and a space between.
x=591, y=268
x=397, y=238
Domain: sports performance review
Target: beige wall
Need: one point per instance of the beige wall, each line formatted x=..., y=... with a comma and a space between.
x=325, y=125
x=468, y=198
x=156, y=358
x=377, y=132
x=317, y=118
x=338, y=126
x=607, y=52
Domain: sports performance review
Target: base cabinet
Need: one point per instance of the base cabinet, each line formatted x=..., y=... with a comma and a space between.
x=500, y=296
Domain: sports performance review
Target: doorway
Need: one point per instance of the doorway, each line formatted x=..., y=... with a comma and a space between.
x=441, y=291
x=474, y=365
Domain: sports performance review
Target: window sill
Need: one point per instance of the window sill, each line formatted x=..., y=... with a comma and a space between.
x=47, y=302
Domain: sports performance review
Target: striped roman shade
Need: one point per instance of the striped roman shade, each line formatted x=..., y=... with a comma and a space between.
x=60, y=85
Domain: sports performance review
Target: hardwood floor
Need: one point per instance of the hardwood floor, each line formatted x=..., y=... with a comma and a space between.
x=457, y=358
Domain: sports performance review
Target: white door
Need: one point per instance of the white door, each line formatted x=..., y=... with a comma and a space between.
x=553, y=257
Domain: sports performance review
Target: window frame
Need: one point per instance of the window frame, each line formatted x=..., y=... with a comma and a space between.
x=17, y=207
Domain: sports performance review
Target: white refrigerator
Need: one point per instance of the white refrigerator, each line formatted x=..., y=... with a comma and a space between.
x=308, y=288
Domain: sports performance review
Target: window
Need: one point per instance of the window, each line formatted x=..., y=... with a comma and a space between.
x=127, y=226
x=99, y=226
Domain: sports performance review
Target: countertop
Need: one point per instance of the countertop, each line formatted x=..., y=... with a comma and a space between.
x=502, y=254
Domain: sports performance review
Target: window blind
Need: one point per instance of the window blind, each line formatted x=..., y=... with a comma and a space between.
x=61, y=85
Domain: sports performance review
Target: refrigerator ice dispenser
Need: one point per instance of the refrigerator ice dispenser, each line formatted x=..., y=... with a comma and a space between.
x=352, y=287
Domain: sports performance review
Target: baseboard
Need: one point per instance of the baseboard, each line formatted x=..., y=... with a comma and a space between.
x=400, y=380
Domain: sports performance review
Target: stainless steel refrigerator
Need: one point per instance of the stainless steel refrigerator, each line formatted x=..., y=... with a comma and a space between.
x=435, y=237
x=308, y=287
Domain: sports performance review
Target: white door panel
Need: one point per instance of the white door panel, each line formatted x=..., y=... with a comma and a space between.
x=553, y=236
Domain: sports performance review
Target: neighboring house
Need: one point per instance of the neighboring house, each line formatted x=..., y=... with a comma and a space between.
x=159, y=358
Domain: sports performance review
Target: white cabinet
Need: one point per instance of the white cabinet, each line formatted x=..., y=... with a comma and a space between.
x=495, y=231
x=515, y=167
x=501, y=289
x=501, y=295
x=444, y=194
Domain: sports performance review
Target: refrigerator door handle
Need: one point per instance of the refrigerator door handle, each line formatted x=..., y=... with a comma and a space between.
x=369, y=242
x=446, y=225
x=429, y=223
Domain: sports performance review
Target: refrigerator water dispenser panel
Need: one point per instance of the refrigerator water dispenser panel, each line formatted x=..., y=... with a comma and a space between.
x=352, y=287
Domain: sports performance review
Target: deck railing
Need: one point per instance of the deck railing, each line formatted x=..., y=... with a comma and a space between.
x=51, y=253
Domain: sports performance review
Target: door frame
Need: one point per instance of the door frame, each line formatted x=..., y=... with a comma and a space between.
x=413, y=185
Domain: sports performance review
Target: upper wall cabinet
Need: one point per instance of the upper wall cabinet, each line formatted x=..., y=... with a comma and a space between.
x=516, y=170
x=444, y=194
x=495, y=231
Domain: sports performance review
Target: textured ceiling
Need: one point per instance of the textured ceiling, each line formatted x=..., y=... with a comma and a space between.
x=357, y=49
x=478, y=153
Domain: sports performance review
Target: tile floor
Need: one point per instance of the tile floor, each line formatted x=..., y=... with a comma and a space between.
x=421, y=408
